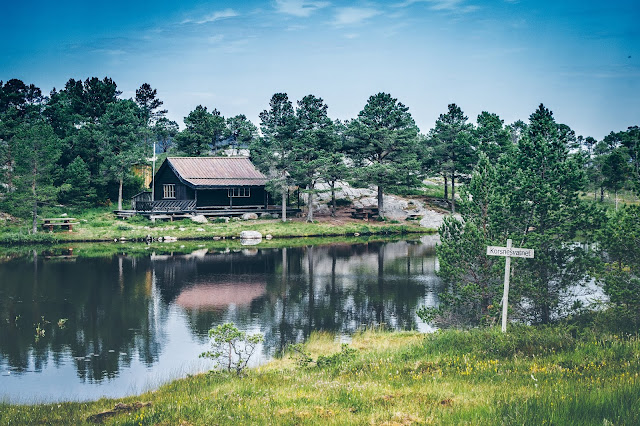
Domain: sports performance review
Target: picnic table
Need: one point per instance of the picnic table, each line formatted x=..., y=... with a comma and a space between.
x=62, y=222
x=364, y=212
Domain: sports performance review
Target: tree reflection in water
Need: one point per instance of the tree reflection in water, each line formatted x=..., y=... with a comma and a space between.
x=117, y=308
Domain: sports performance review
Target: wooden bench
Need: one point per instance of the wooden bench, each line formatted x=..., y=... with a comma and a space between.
x=63, y=222
x=365, y=213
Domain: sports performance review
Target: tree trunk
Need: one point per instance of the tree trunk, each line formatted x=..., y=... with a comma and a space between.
x=602, y=194
x=616, y=194
x=34, y=227
x=120, y=194
x=310, y=203
x=446, y=187
x=453, y=193
x=284, y=205
x=380, y=203
x=333, y=200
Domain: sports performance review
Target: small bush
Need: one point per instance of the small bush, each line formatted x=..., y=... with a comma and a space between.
x=346, y=354
x=301, y=357
x=231, y=348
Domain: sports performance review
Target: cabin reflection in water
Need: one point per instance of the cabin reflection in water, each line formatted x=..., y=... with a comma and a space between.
x=131, y=319
x=221, y=295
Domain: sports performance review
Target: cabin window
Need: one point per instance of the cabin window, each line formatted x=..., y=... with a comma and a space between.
x=169, y=190
x=240, y=192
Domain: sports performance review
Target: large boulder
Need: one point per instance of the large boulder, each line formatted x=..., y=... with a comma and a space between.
x=199, y=219
x=249, y=216
x=250, y=235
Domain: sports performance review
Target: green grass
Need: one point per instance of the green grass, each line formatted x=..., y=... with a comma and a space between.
x=101, y=225
x=84, y=249
x=547, y=375
x=624, y=197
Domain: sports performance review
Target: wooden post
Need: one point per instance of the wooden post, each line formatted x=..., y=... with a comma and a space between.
x=505, y=296
x=508, y=252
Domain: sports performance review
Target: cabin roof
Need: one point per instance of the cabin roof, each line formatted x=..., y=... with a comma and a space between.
x=216, y=171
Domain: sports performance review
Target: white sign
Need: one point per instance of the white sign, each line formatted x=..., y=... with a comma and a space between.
x=508, y=252
x=513, y=252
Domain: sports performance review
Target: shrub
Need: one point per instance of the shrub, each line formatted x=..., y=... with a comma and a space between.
x=346, y=354
x=231, y=348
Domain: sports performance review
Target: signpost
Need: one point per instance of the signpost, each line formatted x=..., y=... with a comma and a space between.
x=508, y=252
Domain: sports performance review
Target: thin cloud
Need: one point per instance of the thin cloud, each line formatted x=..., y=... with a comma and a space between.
x=442, y=5
x=353, y=15
x=111, y=52
x=216, y=16
x=216, y=39
x=299, y=8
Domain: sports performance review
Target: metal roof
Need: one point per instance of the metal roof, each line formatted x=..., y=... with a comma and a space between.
x=217, y=171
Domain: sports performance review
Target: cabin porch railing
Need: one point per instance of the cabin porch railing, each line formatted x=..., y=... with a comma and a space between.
x=166, y=206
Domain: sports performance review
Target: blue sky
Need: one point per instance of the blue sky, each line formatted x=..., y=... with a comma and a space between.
x=580, y=58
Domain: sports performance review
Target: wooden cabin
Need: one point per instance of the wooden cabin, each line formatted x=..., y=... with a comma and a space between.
x=206, y=184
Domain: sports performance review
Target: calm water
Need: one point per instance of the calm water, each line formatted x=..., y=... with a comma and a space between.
x=134, y=322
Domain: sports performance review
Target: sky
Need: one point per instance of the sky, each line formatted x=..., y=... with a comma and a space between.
x=580, y=58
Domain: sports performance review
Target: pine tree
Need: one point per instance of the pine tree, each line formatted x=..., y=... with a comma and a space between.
x=452, y=147
x=273, y=153
x=382, y=143
x=122, y=127
x=36, y=149
x=78, y=189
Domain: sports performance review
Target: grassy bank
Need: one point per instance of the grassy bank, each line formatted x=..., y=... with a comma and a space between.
x=530, y=376
x=101, y=225
x=131, y=248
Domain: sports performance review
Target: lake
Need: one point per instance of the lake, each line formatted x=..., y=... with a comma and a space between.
x=78, y=324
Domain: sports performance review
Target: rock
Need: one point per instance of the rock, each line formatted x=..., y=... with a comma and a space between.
x=250, y=242
x=249, y=216
x=182, y=229
x=356, y=234
x=269, y=236
x=200, y=229
x=250, y=235
x=433, y=219
x=216, y=238
x=199, y=219
x=169, y=239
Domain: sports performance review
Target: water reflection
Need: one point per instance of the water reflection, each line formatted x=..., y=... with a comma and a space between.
x=133, y=319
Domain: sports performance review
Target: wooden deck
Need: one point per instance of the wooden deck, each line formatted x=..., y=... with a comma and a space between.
x=175, y=209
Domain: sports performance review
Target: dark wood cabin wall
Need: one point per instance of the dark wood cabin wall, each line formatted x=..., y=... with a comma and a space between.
x=220, y=198
x=167, y=175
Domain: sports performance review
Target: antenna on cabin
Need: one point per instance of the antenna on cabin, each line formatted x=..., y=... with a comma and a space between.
x=153, y=173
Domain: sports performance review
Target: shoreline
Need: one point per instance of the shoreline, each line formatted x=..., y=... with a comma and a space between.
x=386, y=377
x=122, y=231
